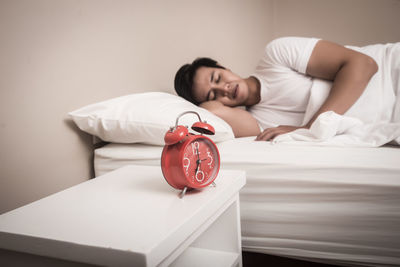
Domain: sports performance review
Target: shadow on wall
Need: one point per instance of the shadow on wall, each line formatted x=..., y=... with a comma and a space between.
x=86, y=141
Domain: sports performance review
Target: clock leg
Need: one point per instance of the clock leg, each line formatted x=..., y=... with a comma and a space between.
x=214, y=184
x=183, y=192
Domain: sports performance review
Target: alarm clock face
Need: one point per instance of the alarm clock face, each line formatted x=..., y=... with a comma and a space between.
x=200, y=162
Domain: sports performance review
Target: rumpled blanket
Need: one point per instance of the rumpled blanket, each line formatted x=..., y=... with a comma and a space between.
x=331, y=129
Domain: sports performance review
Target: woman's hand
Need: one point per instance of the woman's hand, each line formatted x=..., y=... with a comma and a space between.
x=270, y=133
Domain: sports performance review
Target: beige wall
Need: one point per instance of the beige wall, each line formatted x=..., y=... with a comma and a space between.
x=57, y=56
x=348, y=22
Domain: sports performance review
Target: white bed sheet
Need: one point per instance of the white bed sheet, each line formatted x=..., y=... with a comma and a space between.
x=330, y=204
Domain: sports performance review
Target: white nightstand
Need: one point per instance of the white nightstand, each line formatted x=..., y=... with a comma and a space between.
x=131, y=217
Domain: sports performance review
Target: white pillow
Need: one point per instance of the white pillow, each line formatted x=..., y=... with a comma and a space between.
x=144, y=118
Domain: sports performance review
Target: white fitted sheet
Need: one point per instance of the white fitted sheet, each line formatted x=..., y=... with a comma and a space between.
x=329, y=204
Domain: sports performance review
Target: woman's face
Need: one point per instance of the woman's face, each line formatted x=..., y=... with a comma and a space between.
x=221, y=85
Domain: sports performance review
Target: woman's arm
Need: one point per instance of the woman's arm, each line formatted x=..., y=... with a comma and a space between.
x=241, y=121
x=350, y=72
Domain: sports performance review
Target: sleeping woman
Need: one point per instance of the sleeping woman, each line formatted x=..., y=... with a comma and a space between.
x=363, y=82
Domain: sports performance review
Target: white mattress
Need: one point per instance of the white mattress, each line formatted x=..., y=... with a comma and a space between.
x=329, y=204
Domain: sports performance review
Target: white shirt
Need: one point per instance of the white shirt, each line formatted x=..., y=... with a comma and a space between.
x=285, y=87
x=288, y=94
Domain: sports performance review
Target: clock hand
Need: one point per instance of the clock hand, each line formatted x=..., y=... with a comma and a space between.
x=198, y=154
x=198, y=161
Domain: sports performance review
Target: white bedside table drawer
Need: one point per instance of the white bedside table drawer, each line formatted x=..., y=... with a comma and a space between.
x=129, y=217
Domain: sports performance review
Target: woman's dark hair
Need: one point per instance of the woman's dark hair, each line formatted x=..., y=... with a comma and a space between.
x=184, y=77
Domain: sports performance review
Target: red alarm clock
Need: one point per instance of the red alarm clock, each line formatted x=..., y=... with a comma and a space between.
x=190, y=161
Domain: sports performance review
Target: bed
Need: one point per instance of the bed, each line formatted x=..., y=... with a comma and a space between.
x=332, y=199
x=333, y=205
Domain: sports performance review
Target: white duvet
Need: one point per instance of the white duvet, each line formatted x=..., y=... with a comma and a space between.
x=373, y=120
x=333, y=129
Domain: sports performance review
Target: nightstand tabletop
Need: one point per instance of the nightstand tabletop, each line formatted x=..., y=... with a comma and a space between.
x=130, y=213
